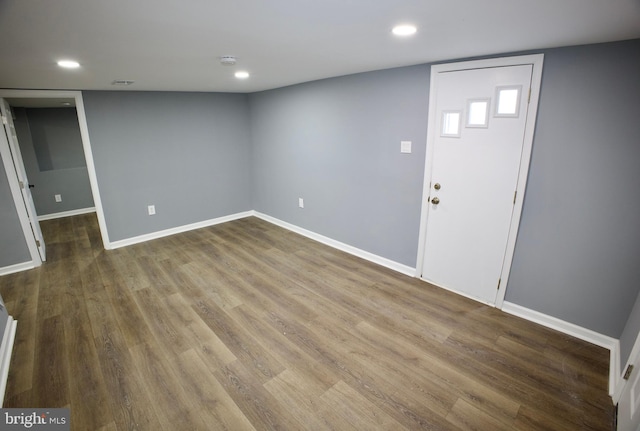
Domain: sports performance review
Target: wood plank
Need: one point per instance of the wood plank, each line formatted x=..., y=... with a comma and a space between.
x=168, y=399
x=87, y=389
x=354, y=411
x=257, y=404
x=129, y=401
x=208, y=396
x=467, y=417
x=51, y=374
x=240, y=342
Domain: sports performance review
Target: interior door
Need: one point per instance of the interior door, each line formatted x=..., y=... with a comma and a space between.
x=12, y=138
x=629, y=403
x=479, y=132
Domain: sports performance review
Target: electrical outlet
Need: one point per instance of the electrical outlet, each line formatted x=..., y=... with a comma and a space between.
x=151, y=209
x=300, y=202
x=58, y=198
x=405, y=147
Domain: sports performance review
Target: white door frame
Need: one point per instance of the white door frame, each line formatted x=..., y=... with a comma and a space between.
x=537, y=61
x=621, y=384
x=88, y=154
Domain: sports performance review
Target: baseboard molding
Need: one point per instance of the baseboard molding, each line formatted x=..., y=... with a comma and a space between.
x=398, y=267
x=66, y=214
x=16, y=268
x=175, y=230
x=5, y=355
x=612, y=344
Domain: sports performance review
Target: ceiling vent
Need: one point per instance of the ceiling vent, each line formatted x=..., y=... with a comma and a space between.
x=122, y=82
x=227, y=60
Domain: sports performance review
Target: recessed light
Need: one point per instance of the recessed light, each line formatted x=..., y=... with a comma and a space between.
x=69, y=64
x=404, y=30
x=242, y=74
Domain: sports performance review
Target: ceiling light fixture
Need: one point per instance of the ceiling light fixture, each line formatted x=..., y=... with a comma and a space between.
x=404, y=30
x=69, y=64
x=242, y=74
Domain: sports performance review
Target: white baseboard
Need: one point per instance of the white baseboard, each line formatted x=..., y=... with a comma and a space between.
x=5, y=355
x=398, y=267
x=67, y=213
x=612, y=344
x=175, y=230
x=6, y=270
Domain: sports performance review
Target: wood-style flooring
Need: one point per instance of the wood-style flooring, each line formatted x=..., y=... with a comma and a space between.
x=244, y=326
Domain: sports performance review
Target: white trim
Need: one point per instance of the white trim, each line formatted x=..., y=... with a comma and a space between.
x=633, y=357
x=536, y=61
x=24, y=266
x=179, y=229
x=5, y=354
x=91, y=169
x=387, y=263
x=612, y=344
x=69, y=213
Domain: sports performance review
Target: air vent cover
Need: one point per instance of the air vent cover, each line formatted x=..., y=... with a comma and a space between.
x=122, y=82
x=227, y=60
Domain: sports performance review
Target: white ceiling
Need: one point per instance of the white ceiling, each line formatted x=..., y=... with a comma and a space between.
x=176, y=44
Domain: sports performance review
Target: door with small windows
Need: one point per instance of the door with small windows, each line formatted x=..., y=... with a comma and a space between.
x=477, y=127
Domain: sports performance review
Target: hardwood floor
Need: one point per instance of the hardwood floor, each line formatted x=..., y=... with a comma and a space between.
x=245, y=326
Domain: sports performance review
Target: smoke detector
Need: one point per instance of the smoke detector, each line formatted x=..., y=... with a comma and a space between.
x=227, y=60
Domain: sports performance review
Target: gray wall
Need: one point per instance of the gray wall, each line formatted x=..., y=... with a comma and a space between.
x=13, y=247
x=336, y=143
x=577, y=251
x=61, y=167
x=186, y=153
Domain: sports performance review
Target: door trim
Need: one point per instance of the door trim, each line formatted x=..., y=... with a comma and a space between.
x=88, y=154
x=620, y=382
x=536, y=61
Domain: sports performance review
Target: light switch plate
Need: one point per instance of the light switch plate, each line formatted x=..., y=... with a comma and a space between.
x=151, y=209
x=405, y=146
x=300, y=202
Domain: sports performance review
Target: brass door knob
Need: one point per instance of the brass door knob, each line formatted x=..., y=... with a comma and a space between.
x=436, y=186
x=435, y=201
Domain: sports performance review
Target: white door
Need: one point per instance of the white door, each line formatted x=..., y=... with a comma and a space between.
x=12, y=138
x=477, y=138
x=629, y=402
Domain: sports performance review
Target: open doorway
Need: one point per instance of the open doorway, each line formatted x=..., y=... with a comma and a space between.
x=53, y=156
x=28, y=219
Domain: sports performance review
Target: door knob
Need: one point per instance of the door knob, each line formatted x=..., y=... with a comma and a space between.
x=435, y=201
x=436, y=186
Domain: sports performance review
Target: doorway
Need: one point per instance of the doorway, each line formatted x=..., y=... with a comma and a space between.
x=481, y=120
x=45, y=98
